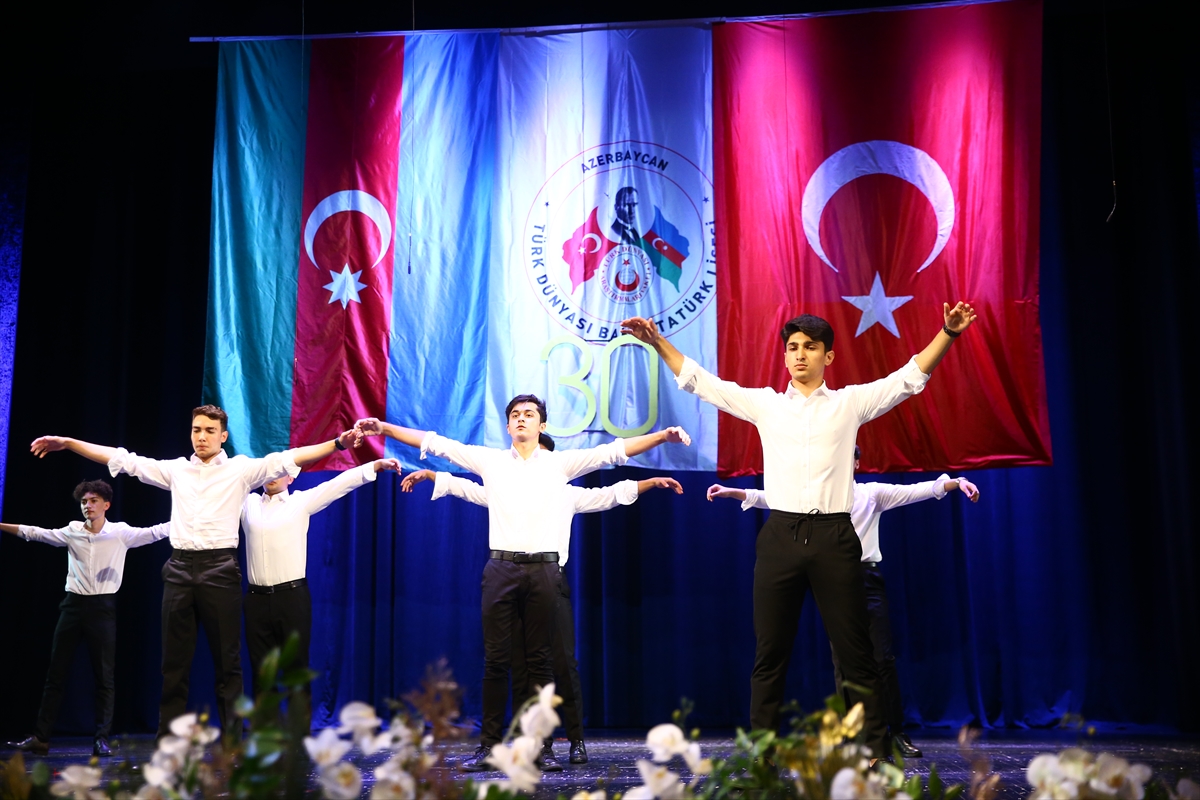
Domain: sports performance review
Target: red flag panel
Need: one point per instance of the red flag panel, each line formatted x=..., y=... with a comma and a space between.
x=869, y=167
x=343, y=314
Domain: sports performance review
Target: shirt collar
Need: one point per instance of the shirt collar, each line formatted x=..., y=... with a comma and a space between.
x=538, y=453
x=219, y=458
x=792, y=392
x=279, y=497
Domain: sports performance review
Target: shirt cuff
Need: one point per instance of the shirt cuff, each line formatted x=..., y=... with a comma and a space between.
x=441, y=485
x=621, y=457
x=687, y=374
x=755, y=498
x=426, y=442
x=626, y=492
x=289, y=463
x=369, y=473
x=939, y=486
x=24, y=532
x=119, y=462
x=914, y=379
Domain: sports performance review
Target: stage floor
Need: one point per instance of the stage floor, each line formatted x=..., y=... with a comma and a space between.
x=613, y=757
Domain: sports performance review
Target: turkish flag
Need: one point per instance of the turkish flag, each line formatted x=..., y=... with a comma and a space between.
x=870, y=167
x=584, y=251
x=344, y=298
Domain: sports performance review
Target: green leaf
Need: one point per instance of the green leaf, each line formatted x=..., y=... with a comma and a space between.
x=291, y=650
x=913, y=787
x=41, y=774
x=936, y=788
x=955, y=791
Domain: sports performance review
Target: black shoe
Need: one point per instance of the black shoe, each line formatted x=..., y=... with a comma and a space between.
x=903, y=745
x=100, y=747
x=578, y=752
x=31, y=745
x=479, y=761
x=546, y=761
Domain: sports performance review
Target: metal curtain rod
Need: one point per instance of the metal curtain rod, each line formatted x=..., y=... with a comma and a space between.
x=542, y=30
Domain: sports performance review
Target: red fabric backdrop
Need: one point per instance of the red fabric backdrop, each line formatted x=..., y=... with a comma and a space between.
x=959, y=84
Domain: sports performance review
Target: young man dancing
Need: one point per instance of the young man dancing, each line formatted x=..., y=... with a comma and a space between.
x=202, y=582
x=564, y=664
x=808, y=435
x=96, y=551
x=527, y=490
x=870, y=501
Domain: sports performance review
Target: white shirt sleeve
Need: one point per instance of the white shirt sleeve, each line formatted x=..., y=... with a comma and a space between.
x=755, y=498
x=893, y=495
x=622, y=493
x=726, y=395
x=136, y=537
x=51, y=536
x=321, y=495
x=468, y=456
x=271, y=466
x=147, y=470
x=580, y=462
x=446, y=484
x=872, y=399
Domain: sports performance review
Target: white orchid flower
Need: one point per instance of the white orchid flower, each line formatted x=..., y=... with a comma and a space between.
x=665, y=741
x=359, y=719
x=326, y=749
x=1116, y=777
x=341, y=781
x=698, y=765
x=1077, y=764
x=393, y=783
x=1187, y=789
x=149, y=792
x=77, y=781
x=584, y=794
x=659, y=781
x=851, y=785
x=516, y=761
x=157, y=776
x=188, y=727
x=539, y=721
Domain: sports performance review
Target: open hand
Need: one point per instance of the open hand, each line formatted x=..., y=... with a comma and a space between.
x=640, y=328
x=969, y=489
x=959, y=318
x=665, y=483
x=47, y=444
x=368, y=426
x=413, y=478
x=677, y=435
x=389, y=464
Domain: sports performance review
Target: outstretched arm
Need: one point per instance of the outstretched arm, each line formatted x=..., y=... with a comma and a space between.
x=413, y=478
x=659, y=483
x=371, y=426
x=49, y=444
x=13, y=529
x=968, y=488
x=717, y=490
x=637, y=445
x=955, y=321
x=644, y=330
x=315, y=452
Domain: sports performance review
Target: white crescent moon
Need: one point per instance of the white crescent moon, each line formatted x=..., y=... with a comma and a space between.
x=878, y=157
x=587, y=236
x=349, y=200
x=654, y=244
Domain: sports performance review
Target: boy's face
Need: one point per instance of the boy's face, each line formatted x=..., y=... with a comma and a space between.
x=207, y=436
x=524, y=423
x=278, y=485
x=93, y=506
x=805, y=358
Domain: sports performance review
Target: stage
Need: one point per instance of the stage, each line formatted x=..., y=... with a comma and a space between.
x=613, y=757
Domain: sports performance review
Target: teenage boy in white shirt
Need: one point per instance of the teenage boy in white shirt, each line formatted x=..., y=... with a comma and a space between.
x=870, y=501
x=202, y=582
x=527, y=489
x=808, y=435
x=96, y=550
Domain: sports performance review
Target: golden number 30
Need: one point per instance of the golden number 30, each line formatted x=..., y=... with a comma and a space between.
x=575, y=381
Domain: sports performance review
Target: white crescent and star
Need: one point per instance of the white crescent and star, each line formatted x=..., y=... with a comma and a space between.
x=880, y=157
x=345, y=286
x=583, y=245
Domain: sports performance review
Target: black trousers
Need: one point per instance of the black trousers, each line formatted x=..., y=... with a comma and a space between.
x=81, y=616
x=512, y=592
x=566, y=669
x=201, y=587
x=881, y=642
x=271, y=619
x=796, y=552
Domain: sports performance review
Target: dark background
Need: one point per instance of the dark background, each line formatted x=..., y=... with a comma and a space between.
x=1068, y=588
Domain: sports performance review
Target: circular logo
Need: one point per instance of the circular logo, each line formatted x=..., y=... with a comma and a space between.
x=622, y=229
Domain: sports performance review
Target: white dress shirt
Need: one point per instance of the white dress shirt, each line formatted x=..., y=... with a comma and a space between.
x=870, y=501
x=206, y=499
x=808, y=442
x=527, y=495
x=95, y=561
x=580, y=500
x=276, y=526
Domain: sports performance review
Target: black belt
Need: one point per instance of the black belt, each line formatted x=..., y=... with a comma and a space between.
x=225, y=551
x=871, y=564
x=279, y=587
x=523, y=558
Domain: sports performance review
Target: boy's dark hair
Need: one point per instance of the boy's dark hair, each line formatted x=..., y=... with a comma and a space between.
x=545, y=441
x=857, y=453
x=212, y=412
x=815, y=328
x=526, y=398
x=100, y=488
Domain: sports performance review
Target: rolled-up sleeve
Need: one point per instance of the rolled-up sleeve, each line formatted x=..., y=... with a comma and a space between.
x=446, y=484
x=878, y=397
x=147, y=470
